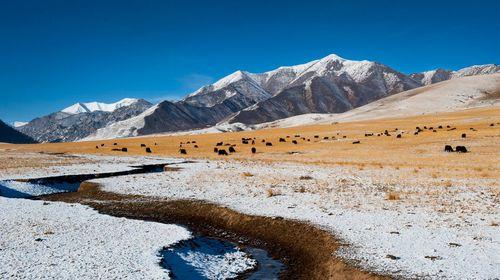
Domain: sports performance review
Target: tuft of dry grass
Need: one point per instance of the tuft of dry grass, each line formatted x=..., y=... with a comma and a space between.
x=392, y=196
x=448, y=184
x=307, y=177
x=247, y=174
x=271, y=192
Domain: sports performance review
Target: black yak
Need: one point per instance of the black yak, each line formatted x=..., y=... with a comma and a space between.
x=196, y=146
x=282, y=139
x=148, y=150
x=183, y=151
x=269, y=144
x=461, y=149
x=97, y=147
x=216, y=150
x=124, y=150
x=143, y=145
x=222, y=152
x=254, y=150
x=448, y=149
x=294, y=142
x=232, y=150
x=464, y=135
x=356, y=142
x=219, y=143
x=398, y=136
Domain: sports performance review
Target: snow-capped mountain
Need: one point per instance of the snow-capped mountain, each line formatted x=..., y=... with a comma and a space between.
x=439, y=75
x=328, y=85
x=79, y=108
x=82, y=119
x=19, y=124
x=10, y=135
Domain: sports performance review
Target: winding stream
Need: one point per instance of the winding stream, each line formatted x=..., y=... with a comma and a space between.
x=201, y=257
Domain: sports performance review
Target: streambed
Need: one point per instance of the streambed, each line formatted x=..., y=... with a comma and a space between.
x=201, y=257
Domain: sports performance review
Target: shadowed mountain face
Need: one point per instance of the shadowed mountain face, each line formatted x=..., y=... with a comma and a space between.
x=10, y=135
x=328, y=85
x=63, y=126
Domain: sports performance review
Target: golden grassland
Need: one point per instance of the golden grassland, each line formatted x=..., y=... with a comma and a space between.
x=414, y=154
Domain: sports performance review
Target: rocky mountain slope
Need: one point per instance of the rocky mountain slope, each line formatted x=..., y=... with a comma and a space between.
x=456, y=94
x=10, y=135
x=82, y=119
x=328, y=85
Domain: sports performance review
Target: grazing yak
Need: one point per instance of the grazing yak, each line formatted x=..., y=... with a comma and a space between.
x=282, y=139
x=254, y=150
x=196, y=146
x=461, y=149
x=398, y=136
x=102, y=145
x=269, y=144
x=253, y=142
x=143, y=145
x=294, y=142
x=368, y=134
x=97, y=147
x=222, y=152
x=326, y=138
x=116, y=149
x=263, y=140
x=183, y=151
x=124, y=150
x=244, y=142
x=316, y=136
x=148, y=150
x=232, y=150
x=356, y=142
x=464, y=135
x=219, y=143
x=448, y=149
x=115, y=144
x=216, y=150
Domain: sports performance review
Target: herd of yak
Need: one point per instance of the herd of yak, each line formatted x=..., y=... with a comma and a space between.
x=220, y=150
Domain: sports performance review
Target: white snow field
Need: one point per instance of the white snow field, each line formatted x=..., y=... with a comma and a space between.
x=69, y=241
x=458, y=241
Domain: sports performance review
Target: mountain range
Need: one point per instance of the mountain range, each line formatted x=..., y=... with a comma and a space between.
x=328, y=85
x=81, y=119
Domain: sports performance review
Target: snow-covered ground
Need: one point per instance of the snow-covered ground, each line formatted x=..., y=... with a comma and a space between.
x=453, y=234
x=459, y=242
x=40, y=240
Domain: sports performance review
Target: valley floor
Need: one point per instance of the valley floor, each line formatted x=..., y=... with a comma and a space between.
x=400, y=206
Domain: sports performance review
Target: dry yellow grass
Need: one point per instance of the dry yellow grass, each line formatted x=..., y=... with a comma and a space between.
x=424, y=150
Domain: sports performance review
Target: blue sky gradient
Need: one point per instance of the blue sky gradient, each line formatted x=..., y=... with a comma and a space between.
x=56, y=53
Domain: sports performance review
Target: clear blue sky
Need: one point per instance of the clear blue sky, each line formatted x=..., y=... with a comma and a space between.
x=56, y=53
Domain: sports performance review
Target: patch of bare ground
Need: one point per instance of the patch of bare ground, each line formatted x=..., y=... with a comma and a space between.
x=307, y=251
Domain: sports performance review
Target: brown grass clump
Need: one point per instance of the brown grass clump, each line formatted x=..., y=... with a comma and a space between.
x=494, y=224
x=247, y=174
x=271, y=192
x=301, y=189
x=448, y=184
x=307, y=177
x=392, y=196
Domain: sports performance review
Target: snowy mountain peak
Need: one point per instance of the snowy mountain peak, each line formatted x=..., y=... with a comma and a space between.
x=19, y=124
x=79, y=108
